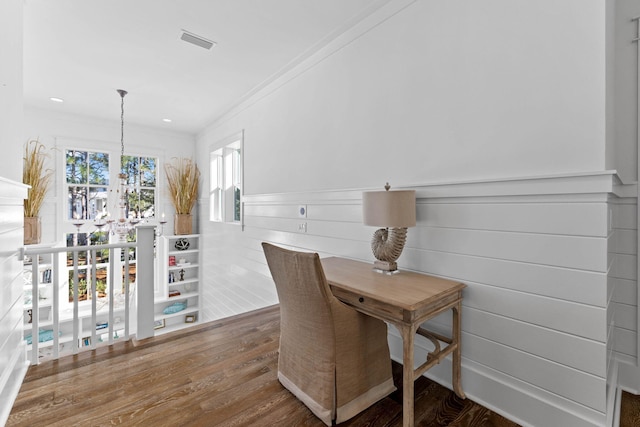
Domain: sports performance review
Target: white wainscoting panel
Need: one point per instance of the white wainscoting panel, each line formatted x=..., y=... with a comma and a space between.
x=540, y=314
x=623, y=279
x=13, y=363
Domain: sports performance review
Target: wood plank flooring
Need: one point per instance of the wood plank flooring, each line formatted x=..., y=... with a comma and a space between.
x=221, y=373
x=629, y=410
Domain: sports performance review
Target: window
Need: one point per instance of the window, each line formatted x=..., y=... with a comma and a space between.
x=92, y=191
x=225, y=182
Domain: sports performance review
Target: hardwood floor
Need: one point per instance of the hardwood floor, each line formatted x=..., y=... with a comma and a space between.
x=222, y=373
x=629, y=410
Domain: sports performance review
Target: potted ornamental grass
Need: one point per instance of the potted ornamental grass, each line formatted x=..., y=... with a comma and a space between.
x=183, y=179
x=38, y=178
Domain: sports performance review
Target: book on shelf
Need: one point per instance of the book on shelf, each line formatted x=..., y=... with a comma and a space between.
x=46, y=276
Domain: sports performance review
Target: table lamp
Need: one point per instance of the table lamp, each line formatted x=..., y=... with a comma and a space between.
x=395, y=210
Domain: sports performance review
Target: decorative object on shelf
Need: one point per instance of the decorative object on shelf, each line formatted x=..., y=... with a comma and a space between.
x=389, y=209
x=181, y=274
x=174, y=293
x=123, y=226
x=190, y=318
x=172, y=261
x=182, y=244
x=175, y=307
x=183, y=179
x=182, y=224
x=172, y=277
x=35, y=175
x=43, y=336
x=158, y=324
x=102, y=325
x=30, y=313
x=28, y=295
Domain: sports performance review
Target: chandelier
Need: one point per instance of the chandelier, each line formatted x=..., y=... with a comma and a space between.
x=122, y=226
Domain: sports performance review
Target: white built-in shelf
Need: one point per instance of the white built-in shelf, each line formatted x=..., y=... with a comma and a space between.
x=189, y=287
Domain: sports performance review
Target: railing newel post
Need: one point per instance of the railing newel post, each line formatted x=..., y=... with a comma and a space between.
x=144, y=281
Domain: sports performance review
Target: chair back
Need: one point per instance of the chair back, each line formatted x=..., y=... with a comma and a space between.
x=333, y=358
x=304, y=295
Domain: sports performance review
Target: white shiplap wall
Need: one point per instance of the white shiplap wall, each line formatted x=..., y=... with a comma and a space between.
x=13, y=363
x=623, y=292
x=533, y=253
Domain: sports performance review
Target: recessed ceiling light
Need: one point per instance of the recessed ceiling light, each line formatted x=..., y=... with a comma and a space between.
x=54, y=99
x=166, y=120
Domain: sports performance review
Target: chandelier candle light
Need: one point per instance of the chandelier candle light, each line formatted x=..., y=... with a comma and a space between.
x=395, y=210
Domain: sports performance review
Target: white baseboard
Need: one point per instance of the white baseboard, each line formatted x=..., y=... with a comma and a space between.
x=626, y=377
x=514, y=399
x=613, y=396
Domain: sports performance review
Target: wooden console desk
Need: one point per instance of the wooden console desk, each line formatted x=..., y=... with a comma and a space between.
x=406, y=300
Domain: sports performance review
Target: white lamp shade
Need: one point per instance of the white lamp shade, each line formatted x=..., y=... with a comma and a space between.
x=389, y=208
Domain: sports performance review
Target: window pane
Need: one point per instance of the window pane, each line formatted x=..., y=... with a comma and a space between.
x=237, y=182
x=215, y=184
x=129, y=166
x=82, y=241
x=147, y=172
x=236, y=203
x=97, y=202
x=214, y=173
x=237, y=172
x=215, y=200
x=100, y=238
x=99, y=168
x=147, y=203
x=76, y=168
x=132, y=209
x=77, y=203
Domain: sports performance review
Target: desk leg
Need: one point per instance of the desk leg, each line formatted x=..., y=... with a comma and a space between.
x=457, y=353
x=408, y=335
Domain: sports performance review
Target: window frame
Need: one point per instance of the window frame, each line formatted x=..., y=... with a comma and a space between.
x=67, y=226
x=226, y=180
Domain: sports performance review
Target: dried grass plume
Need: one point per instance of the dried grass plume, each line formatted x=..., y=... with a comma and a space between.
x=183, y=178
x=35, y=175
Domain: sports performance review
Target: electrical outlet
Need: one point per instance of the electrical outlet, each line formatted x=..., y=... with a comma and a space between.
x=302, y=227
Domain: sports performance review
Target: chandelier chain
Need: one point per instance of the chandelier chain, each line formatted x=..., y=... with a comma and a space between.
x=122, y=126
x=122, y=94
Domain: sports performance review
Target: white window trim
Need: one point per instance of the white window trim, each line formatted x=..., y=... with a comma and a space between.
x=65, y=225
x=220, y=152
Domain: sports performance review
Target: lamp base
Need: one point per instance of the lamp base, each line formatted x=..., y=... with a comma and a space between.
x=387, y=267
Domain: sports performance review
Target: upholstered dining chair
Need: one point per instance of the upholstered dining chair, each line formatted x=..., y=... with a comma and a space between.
x=332, y=358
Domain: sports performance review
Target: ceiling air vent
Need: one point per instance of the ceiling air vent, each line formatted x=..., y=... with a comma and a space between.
x=197, y=40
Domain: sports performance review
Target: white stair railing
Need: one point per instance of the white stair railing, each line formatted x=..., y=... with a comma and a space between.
x=144, y=292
